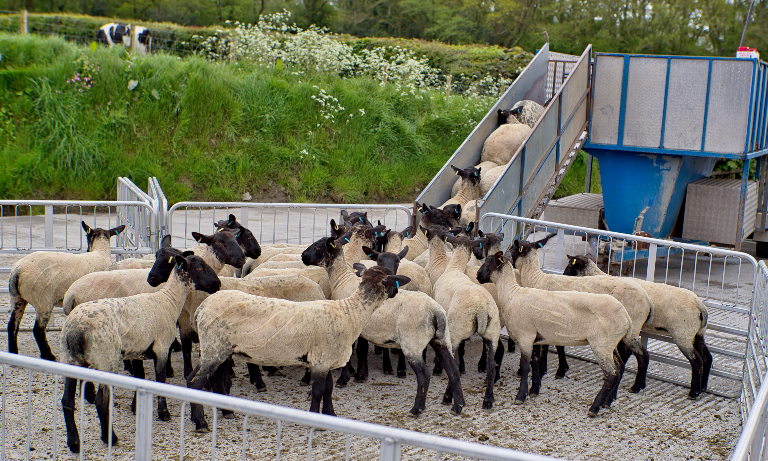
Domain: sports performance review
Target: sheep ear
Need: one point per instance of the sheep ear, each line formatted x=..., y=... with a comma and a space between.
x=544, y=241
x=344, y=239
x=403, y=252
x=334, y=226
x=188, y=253
x=469, y=227
x=406, y=233
x=344, y=215
x=396, y=280
x=232, y=220
x=166, y=242
x=180, y=261
x=479, y=242
x=450, y=239
x=499, y=257
x=457, y=170
x=424, y=209
x=86, y=228
x=422, y=229
x=373, y=254
x=501, y=235
x=480, y=233
x=359, y=268
x=116, y=230
x=200, y=238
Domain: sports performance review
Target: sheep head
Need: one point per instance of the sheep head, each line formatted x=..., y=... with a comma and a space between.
x=493, y=240
x=577, y=265
x=381, y=277
x=243, y=235
x=386, y=259
x=491, y=267
x=194, y=269
x=225, y=247
x=469, y=174
x=324, y=251
x=91, y=235
x=165, y=262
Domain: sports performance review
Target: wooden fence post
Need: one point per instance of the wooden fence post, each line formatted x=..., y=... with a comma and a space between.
x=232, y=51
x=24, y=21
x=134, y=38
x=448, y=85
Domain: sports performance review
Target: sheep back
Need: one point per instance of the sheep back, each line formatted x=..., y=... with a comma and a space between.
x=314, y=273
x=108, y=284
x=502, y=144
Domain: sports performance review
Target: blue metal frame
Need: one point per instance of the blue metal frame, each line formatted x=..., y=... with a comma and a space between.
x=757, y=126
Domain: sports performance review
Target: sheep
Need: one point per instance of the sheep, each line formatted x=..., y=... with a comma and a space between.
x=470, y=308
x=268, y=331
x=395, y=239
x=485, y=166
x=267, y=252
x=469, y=213
x=418, y=243
x=628, y=292
x=676, y=311
x=316, y=274
x=98, y=334
x=489, y=178
x=42, y=278
x=114, y=33
x=245, y=238
x=502, y=144
x=562, y=318
x=526, y=112
x=470, y=187
x=410, y=322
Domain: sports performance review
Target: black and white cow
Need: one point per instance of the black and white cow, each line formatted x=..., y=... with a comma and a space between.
x=113, y=33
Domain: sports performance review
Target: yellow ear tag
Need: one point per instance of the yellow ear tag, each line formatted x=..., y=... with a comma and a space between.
x=457, y=173
x=521, y=248
x=336, y=227
x=333, y=245
x=170, y=260
x=573, y=262
x=89, y=231
x=425, y=233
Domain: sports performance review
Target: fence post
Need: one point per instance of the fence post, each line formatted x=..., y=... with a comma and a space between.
x=448, y=85
x=24, y=22
x=143, y=425
x=134, y=38
x=390, y=450
x=232, y=51
x=49, y=226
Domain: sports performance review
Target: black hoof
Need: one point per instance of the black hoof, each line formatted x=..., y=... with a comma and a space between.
x=104, y=439
x=456, y=411
x=401, y=374
x=362, y=379
x=635, y=389
x=169, y=373
x=559, y=375
x=50, y=357
x=227, y=414
x=447, y=401
x=416, y=411
x=202, y=427
x=263, y=387
x=693, y=395
x=591, y=414
x=341, y=384
x=74, y=447
x=388, y=371
x=487, y=405
x=519, y=402
x=163, y=415
x=437, y=372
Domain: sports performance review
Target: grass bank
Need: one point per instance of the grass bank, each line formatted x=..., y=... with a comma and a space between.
x=72, y=119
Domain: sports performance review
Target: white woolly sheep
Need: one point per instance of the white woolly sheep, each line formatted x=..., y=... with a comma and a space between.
x=676, y=311
x=501, y=145
x=316, y=274
x=417, y=244
x=626, y=291
x=488, y=178
x=470, y=308
x=98, y=334
x=484, y=166
x=276, y=332
x=470, y=187
x=42, y=278
x=526, y=112
x=562, y=318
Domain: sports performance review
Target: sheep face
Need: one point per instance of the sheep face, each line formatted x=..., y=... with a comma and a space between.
x=163, y=266
x=490, y=266
x=225, y=246
x=452, y=211
x=433, y=217
x=522, y=249
x=386, y=259
x=577, y=265
x=243, y=235
x=381, y=278
x=432, y=232
x=493, y=239
x=470, y=174
x=322, y=252
x=355, y=218
x=508, y=116
x=94, y=234
x=466, y=242
x=194, y=269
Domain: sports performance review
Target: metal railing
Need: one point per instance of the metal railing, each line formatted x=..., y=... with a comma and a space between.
x=299, y=223
x=723, y=279
x=392, y=442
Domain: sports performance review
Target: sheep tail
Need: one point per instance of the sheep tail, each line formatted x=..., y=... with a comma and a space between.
x=703, y=316
x=441, y=325
x=69, y=302
x=13, y=284
x=75, y=341
x=482, y=322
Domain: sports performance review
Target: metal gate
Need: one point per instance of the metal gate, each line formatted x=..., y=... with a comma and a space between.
x=723, y=279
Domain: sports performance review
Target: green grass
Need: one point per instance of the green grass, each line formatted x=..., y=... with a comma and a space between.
x=212, y=131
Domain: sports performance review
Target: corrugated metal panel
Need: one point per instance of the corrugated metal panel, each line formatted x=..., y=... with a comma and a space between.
x=728, y=112
x=606, y=105
x=577, y=210
x=646, y=84
x=712, y=209
x=687, y=97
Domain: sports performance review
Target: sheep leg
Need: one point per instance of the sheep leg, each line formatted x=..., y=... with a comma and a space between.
x=448, y=396
x=319, y=383
x=19, y=306
x=343, y=378
x=307, y=378
x=102, y=409
x=386, y=362
x=221, y=383
x=510, y=345
x=422, y=384
x=362, y=360
x=438, y=369
x=462, y=369
x=454, y=378
x=401, y=371
x=538, y=351
x=642, y=357
x=162, y=405
x=525, y=365
x=562, y=363
x=41, y=322
x=90, y=392
x=481, y=362
x=68, y=407
x=378, y=350
x=612, y=367
x=706, y=356
x=128, y=366
x=542, y=356
x=328, y=395
x=498, y=357
x=168, y=365
x=697, y=368
x=254, y=374
x=197, y=379
x=185, y=331
x=490, y=373
x=138, y=372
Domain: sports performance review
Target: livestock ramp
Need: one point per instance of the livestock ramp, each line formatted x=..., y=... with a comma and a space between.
x=562, y=84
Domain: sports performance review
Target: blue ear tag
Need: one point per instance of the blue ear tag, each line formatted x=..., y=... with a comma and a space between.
x=375, y=234
x=179, y=266
x=230, y=223
x=481, y=245
x=239, y=234
x=398, y=283
x=541, y=246
x=346, y=240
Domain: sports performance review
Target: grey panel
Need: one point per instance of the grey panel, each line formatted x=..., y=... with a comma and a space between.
x=540, y=140
x=530, y=82
x=728, y=112
x=646, y=83
x=540, y=183
x=505, y=191
x=686, y=98
x=606, y=104
x=575, y=89
x=573, y=130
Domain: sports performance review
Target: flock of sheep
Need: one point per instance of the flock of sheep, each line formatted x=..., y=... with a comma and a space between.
x=282, y=305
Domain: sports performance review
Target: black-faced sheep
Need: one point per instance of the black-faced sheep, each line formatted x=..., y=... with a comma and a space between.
x=562, y=318
x=42, y=278
x=98, y=334
x=676, y=311
x=267, y=331
x=526, y=112
x=627, y=292
x=470, y=187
